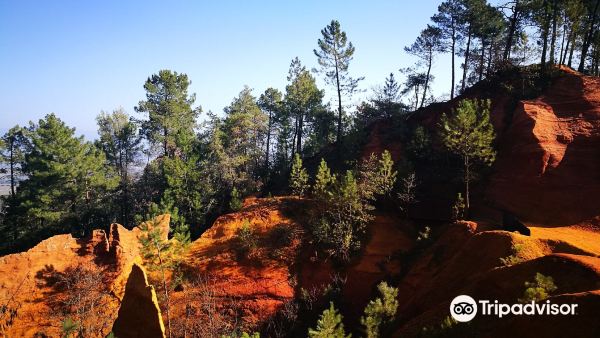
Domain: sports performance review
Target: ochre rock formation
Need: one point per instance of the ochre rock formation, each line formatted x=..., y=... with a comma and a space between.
x=139, y=314
x=549, y=158
x=466, y=260
x=31, y=282
x=259, y=280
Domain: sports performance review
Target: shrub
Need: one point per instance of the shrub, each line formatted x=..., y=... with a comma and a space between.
x=324, y=182
x=345, y=204
x=298, y=177
x=235, y=203
x=420, y=144
x=458, y=209
x=424, y=234
x=539, y=289
x=514, y=258
x=406, y=196
x=247, y=237
x=380, y=311
x=329, y=325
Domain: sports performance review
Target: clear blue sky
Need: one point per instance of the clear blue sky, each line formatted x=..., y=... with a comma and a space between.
x=76, y=58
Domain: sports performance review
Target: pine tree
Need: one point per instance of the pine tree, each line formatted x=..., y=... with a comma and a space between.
x=235, y=201
x=329, y=325
x=298, y=177
x=271, y=103
x=14, y=145
x=334, y=55
x=243, y=134
x=67, y=187
x=469, y=134
x=448, y=21
x=324, y=182
x=386, y=174
x=380, y=311
x=425, y=47
x=121, y=143
x=303, y=99
x=171, y=118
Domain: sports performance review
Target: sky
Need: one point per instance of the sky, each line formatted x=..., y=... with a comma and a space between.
x=77, y=58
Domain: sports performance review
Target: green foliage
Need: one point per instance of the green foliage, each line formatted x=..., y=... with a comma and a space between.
x=241, y=135
x=324, y=182
x=468, y=132
x=271, y=102
x=376, y=175
x=458, y=209
x=345, y=204
x=14, y=145
x=446, y=327
x=121, y=144
x=67, y=188
x=420, y=144
x=334, y=55
x=515, y=257
x=407, y=191
x=69, y=327
x=171, y=118
x=298, y=177
x=380, y=311
x=303, y=100
x=385, y=173
x=428, y=43
x=539, y=289
x=470, y=135
x=329, y=325
x=247, y=238
x=235, y=201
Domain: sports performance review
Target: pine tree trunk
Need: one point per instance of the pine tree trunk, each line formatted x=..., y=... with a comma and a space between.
x=429, y=62
x=268, y=140
x=466, y=64
x=299, y=139
x=545, y=32
x=572, y=50
x=588, y=38
x=481, y=60
x=339, y=93
x=12, y=167
x=489, y=64
x=562, y=46
x=511, y=31
x=553, y=40
x=569, y=37
x=453, y=53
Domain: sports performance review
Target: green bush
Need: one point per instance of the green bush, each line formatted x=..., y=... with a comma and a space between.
x=514, y=258
x=235, y=203
x=380, y=311
x=539, y=289
x=247, y=238
x=344, y=205
x=298, y=177
x=458, y=209
x=329, y=325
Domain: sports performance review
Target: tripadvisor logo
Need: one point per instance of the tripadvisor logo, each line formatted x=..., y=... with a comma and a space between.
x=464, y=308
